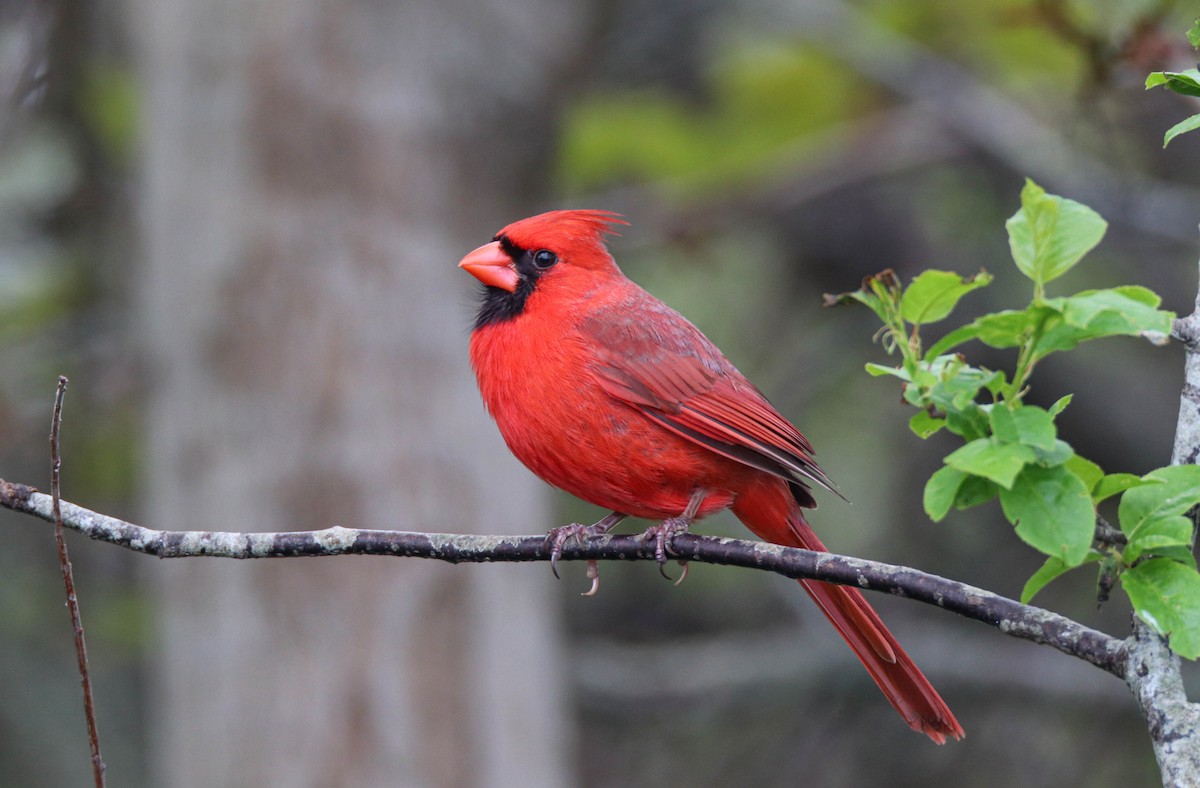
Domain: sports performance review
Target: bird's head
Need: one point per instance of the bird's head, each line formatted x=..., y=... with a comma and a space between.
x=557, y=249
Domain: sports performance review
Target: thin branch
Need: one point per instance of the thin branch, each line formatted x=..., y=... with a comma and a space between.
x=64, y=563
x=1011, y=617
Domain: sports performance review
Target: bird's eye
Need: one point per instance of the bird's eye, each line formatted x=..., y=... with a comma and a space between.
x=544, y=258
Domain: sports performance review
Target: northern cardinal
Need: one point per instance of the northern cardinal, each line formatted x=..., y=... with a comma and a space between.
x=604, y=391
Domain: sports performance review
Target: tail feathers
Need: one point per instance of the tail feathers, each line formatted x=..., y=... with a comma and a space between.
x=901, y=681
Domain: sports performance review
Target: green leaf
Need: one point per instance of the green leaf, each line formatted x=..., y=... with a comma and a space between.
x=1166, y=595
x=1011, y=328
x=1182, y=127
x=1057, y=454
x=974, y=491
x=1052, y=511
x=952, y=340
x=1180, y=554
x=957, y=384
x=1143, y=295
x=992, y=459
x=950, y=385
x=997, y=382
x=878, y=370
x=1088, y=472
x=870, y=300
x=1003, y=329
x=1184, y=82
x=933, y=294
x=1061, y=405
x=969, y=422
x=1050, y=234
x=1115, y=483
x=1051, y=569
x=1120, y=311
x=925, y=425
x=1157, y=532
x=1127, y=310
x=951, y=487
x=941, y=490
x=1193, y=34
x=1178, y=492
x=1026, y=424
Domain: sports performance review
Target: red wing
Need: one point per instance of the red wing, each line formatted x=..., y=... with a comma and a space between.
x=708, y=402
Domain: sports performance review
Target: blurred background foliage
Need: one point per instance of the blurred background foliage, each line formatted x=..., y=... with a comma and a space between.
x=765, y=152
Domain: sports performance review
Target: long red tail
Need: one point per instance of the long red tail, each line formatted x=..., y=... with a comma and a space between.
x=902, y=682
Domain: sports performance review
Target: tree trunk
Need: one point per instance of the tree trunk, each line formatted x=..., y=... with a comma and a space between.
x=313, y=171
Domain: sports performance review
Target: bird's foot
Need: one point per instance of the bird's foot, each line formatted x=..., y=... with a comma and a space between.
x=668, y=529
x=661, y=535
x=557, y=538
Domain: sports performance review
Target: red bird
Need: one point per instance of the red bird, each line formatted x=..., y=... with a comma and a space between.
x=604, y=391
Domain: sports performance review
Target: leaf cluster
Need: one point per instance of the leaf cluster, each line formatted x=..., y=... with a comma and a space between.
x=1011, y=450
x=1185, y=83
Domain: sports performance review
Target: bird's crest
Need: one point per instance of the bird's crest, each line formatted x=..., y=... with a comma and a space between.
x=566, y=228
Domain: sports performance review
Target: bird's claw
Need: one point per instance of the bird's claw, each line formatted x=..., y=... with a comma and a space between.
x=557, y=538
x=666, y=531
x=662, y=534
x=593, y=573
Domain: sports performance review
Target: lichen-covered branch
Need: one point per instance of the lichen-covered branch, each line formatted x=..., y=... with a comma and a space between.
x=1009, y=616
x=1187, y=429
x=1153, y=675
x=1173, y=722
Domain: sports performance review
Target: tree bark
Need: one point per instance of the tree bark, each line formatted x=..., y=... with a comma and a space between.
x=1154, y=675
x=312, y=172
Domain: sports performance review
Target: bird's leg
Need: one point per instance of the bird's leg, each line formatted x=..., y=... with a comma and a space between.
x=578, y=531
x=668, y=529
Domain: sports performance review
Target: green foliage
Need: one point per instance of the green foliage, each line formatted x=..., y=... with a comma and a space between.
x=1052, y=512
x=933, y=294
x=1186, y=83
x=1152, y=515
x=1050, y=234
x=1166, y=595
x=1011, y=450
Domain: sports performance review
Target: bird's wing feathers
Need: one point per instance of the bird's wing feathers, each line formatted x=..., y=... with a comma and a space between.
x=666, y=368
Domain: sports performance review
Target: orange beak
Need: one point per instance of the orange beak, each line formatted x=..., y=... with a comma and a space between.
x=492, y=266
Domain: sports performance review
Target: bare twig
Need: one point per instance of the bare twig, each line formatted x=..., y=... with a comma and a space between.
x=64, y=563
x=1022, y=621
